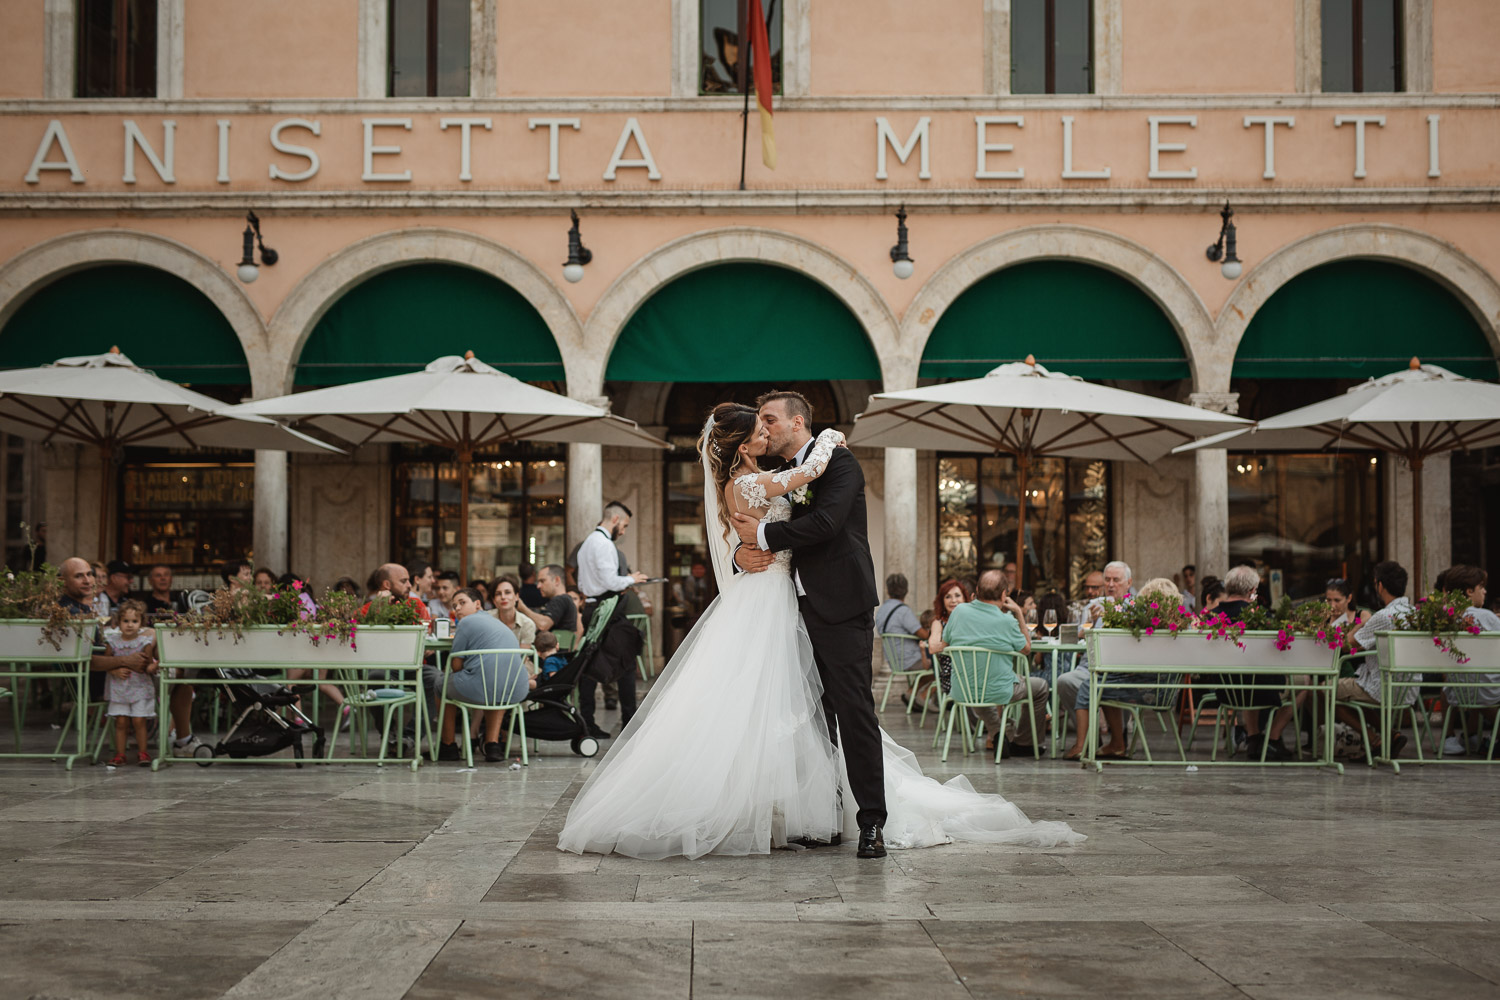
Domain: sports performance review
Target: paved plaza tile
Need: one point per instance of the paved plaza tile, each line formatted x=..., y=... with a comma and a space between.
x=350, y=881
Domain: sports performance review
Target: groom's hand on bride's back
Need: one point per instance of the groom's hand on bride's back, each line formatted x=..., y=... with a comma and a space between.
x=746, y=527
x=752, y=560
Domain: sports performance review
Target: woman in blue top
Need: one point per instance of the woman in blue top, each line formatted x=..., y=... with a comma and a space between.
x=486, y=679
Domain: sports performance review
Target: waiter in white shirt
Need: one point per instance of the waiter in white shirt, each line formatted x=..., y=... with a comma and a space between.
x=599, y=561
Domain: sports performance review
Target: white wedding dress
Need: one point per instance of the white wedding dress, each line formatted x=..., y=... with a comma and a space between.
x=730, y=754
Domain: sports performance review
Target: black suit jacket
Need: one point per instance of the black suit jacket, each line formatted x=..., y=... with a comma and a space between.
x=830, y=542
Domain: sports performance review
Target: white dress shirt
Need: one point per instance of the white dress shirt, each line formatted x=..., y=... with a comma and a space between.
x=760, y=529
x=599, y=565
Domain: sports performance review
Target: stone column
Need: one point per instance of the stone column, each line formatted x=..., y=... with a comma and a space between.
x=585, y=490
x=270, y=537
x=1212, y=483
x=901, y=512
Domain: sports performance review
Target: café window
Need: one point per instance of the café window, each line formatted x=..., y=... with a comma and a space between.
x=1067, y=519
x=1362, y=43
x=116, y=48
x=516, y=508
x=719, y=45
x=1304, y=519
x=192, y=515
x=1051, y=47
x=429, y=48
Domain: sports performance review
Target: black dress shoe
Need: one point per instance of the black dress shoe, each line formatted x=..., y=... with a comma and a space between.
x=871, y=843
x=598, y=734
x=449, y=751
x=494, y=753
x=610, y=704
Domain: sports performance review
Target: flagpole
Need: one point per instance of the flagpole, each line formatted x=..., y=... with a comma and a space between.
x=742, y=71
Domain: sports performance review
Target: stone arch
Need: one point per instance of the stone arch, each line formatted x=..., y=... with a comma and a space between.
x=1433, y=257
x=737, y=243
x=44, y=263
x=294, y=320
x=1159, y=280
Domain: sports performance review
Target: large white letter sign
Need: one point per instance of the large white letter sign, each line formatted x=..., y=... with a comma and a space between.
x=162, y=165
x=54, y=134
x=1270, y=123
x=632, y=128
x=464, y=124
x=884, y=135
x=1069, y=174
x=1158, y=147
x=553, y=124
x=984, y=147
x=1359, y=122
x=313, y=163
x=372, y=150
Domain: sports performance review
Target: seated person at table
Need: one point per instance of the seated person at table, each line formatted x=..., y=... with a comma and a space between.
x=486, y=679
x=993, y=621
x=1213, y=593
x=1162, y=591
x=1473, y=583
x=1364, y=687
x=1240, y=590
x=77, y=599
x=549, y=657
x=1109, y=586
x=895, y=616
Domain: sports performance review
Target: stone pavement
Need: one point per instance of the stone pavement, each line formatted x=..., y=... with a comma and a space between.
x=261, y=881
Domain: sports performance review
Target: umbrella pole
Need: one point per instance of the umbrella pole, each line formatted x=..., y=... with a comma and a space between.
x=465, y=458
x=1416, y=522
x=104, y=467
x=1023, y=465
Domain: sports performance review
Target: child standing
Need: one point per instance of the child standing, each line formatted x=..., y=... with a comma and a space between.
x=131, y=693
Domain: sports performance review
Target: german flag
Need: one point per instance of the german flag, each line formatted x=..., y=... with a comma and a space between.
x=760, y=66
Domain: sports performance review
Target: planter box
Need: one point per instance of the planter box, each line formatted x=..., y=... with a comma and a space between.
x=1415, y=651
x=265, y=646
x=1191, y=652
x=21, y=641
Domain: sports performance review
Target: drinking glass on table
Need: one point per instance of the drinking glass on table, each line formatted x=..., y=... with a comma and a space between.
x=1031, y=620
x=1049, y=621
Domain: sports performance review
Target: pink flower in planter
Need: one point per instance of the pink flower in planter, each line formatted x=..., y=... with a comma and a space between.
x=1437, y=642
x=1181, y=610
x=1155, y=622
x=1150, y=630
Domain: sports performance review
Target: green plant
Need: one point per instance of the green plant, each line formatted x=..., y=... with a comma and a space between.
x=1147, y=615
x=336, y=618
x=1440, y=615
x=34, y=595
x=1308, y=620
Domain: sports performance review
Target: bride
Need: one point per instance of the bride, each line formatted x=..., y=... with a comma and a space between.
x=730, y=753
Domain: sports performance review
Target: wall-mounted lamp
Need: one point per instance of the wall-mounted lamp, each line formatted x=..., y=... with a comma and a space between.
x=578, y=254
x=1224, y=248
x=248, y=272
x=901, y=262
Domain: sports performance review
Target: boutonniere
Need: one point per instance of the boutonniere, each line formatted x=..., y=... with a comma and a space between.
x=801, y=495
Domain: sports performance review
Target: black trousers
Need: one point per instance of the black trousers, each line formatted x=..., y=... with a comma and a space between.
x=844, y=652
x=586, y=686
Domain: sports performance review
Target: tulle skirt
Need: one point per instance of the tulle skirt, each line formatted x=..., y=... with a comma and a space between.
x=729, y=753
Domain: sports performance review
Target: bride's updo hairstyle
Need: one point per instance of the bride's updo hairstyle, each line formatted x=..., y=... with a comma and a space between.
x=733, y=425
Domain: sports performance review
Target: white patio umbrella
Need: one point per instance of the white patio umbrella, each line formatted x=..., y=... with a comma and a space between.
x=1022, y=409
x=457, y=403
x=1422, y=411
x=105, y=400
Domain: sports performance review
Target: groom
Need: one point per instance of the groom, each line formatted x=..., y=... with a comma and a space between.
x=835, y=580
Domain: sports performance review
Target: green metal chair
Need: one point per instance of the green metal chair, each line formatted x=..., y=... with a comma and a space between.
x=893, y=648
x=1464, y=700
x=99, y=710
x=1164, y=704
x=391, y=702
x=567, y=639
x=491, y=703
x=968, y=682
x=1416, y=710
x=645, y=660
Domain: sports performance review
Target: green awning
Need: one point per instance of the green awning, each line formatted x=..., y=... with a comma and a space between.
x=1074, y=317
x=1361, y=318
x=157, y=320
x=742, y=322
x=400, y=320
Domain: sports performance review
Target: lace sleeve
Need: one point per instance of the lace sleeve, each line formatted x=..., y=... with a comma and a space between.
x=756, y=490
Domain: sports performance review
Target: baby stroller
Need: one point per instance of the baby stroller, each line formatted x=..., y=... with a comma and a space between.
x=550, y=715
x=255, y=729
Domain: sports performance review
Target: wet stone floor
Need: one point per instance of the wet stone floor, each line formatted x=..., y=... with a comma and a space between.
x=352, y=881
